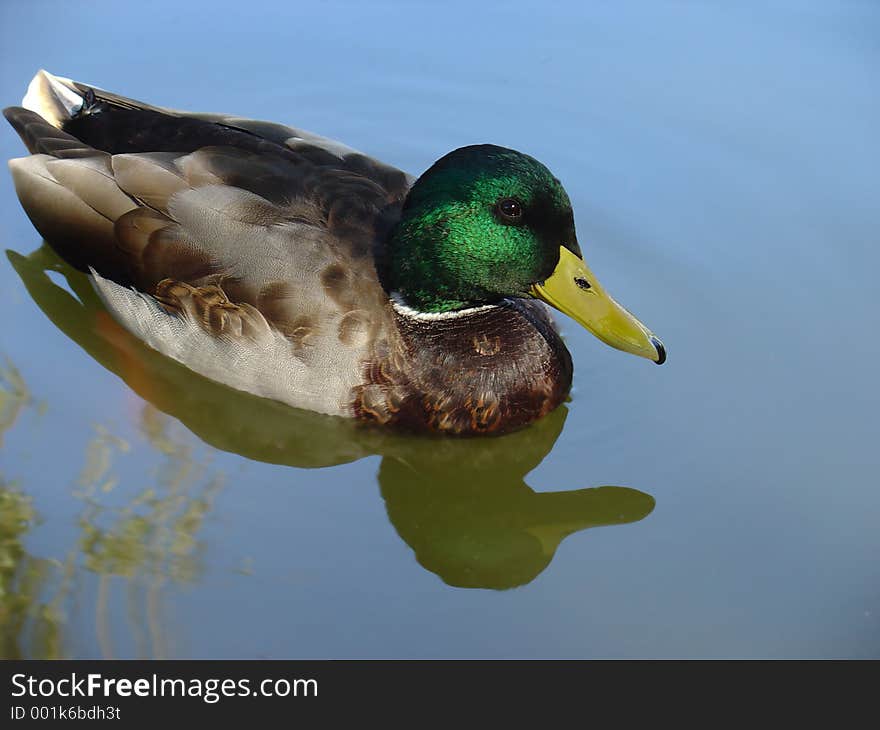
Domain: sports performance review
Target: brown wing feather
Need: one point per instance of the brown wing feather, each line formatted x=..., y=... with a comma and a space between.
x=41, y=137
x=314, y=148
x=239, y=242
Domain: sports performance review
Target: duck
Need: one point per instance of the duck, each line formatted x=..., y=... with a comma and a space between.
x=290, y=266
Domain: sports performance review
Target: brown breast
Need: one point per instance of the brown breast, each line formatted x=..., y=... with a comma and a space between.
x=493, y=370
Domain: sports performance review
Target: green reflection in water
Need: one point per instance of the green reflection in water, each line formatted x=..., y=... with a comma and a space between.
x=466, y=511
x=25, y=619
x=462, y=505
x=148, y=540
x=141, y=543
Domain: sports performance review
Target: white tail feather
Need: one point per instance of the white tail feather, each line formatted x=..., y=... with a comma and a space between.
x=52, y=97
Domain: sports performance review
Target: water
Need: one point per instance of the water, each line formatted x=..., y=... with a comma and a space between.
x=722, y=162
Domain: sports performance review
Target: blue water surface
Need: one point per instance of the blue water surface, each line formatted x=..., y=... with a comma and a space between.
x=722, y=162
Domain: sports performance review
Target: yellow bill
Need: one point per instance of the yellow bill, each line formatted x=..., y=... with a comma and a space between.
x=573, y=290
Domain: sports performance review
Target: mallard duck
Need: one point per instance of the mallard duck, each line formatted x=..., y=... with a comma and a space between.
x=288, y=265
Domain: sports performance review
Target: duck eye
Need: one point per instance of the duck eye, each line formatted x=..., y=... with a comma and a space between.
x=509, y=210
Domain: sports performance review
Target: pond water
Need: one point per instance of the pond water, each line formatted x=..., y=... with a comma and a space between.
x=722, y=162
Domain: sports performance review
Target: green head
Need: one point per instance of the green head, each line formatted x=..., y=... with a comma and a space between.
x=485, y=223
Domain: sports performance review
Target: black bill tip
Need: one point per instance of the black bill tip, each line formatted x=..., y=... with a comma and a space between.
x=661, y=351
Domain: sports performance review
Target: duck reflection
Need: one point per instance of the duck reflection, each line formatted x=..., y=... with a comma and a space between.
x=465, y=510
x=461, y=504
